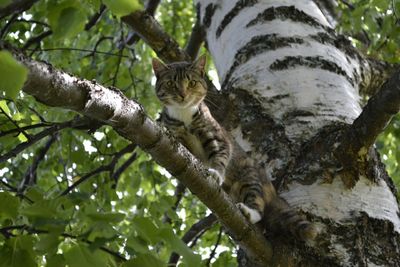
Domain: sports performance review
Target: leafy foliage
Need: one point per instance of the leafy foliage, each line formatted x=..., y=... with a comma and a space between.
x=121, y=208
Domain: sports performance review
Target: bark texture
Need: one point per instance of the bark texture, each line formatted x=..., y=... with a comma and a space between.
x=294, y=87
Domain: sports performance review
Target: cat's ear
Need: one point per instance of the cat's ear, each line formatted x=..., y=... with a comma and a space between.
x=200, y=64
x=158, y=66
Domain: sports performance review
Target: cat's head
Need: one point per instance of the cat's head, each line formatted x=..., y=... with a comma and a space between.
x=180, y=84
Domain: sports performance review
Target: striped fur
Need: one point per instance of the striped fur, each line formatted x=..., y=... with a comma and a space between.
x=182, y=89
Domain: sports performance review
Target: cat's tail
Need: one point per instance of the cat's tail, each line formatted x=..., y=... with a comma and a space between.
x=280, y=217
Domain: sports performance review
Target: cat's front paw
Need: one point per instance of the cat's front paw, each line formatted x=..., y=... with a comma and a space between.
x=252, y=215
x=216, y=176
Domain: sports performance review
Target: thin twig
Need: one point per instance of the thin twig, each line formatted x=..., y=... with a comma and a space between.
x=179, y=192
x=194, y=231
x=103, y=168
x=37, y=39
x=15, y=124
x=93, y=20
x=5, y=231
x=37, y=137
x=28, y=127
x=115, y=176
x=212, y=254
x=30, y=176
x=80, y=50
x=9, y=23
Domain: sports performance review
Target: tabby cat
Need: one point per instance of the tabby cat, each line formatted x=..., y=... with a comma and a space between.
x=181, y=88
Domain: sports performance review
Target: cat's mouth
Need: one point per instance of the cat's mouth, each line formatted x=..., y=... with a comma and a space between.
x=188, y=101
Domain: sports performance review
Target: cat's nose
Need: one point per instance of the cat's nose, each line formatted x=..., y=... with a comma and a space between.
x=182, y=94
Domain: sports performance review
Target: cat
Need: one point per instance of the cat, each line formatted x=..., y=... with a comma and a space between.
x=181, y=88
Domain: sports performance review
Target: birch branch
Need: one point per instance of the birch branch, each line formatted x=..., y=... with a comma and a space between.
x=59, y=89
x=373, y=119
x=152, y=33
x=378, y=73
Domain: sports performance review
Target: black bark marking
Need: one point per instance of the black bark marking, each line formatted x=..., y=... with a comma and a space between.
x=311, y=62
x=286, y=13
x=209, y=13
x=338, y=41
x=241, y=4
x=258, y=45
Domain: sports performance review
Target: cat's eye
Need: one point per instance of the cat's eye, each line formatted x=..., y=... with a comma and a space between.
x=170, y=83
x=192, y=83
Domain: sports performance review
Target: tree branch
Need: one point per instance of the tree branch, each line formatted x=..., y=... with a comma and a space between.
x=212, y=254
x=152, y=33
x=37, y=39
x=194, y=231
x=378, y=112
x=179, y=192
x=109, y=167
x=93, y=20
x=30, y=175
x=6, y=232
x=151, y=8
x=17, y=6
x=196, y=40
x=55, y=88
x=115, y=175
x=378, y=72
x=78, y=122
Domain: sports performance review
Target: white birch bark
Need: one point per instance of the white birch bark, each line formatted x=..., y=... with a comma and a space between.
x=287, y=59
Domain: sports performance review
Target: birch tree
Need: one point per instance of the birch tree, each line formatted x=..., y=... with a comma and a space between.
x=295, y=94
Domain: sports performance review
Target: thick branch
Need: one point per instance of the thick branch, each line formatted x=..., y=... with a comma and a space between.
x=152, y=33
x=373, y=119
x=17, y=6
x=378, y=73
x=151, y=8
x=195, y=41
x=127, y=117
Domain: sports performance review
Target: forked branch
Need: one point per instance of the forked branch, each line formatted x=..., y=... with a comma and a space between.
x=378, y=112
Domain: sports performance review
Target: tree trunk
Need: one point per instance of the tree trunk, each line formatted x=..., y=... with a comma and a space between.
x=293, y=87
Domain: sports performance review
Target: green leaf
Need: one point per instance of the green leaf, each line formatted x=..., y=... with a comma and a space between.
x=40, y=209
x=146, y=229
x=79, y=255
x=55, y=261
x=17, y=251
x=12, y=75
x=47, y=244
x=111, y=217
x=144, y=260
x=4, y=107
x=122, y=8
x=66, y=19
x=177, y=245
x=4, y=2
x=9, y=205
x=137, y=244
